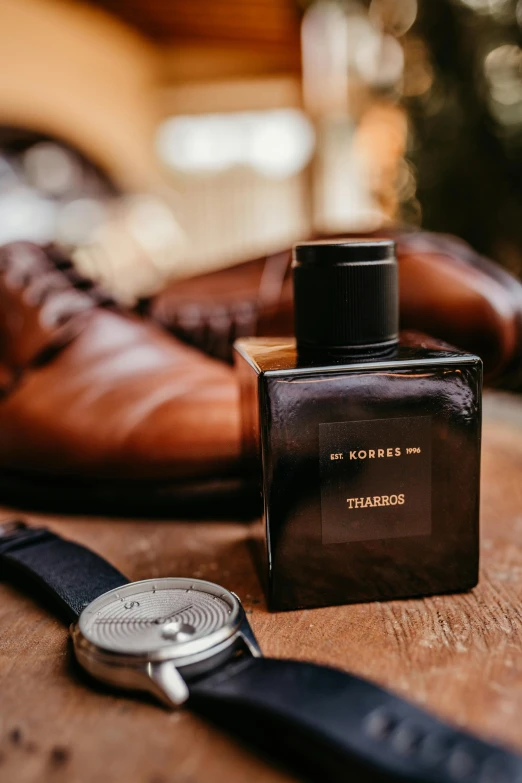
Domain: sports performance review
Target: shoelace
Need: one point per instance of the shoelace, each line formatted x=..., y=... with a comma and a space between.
x=60, y=284
x=49, y=281
x=213, y=328
x=97, y=296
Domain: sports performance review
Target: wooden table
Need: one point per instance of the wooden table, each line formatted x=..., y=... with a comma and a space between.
x=459, y=655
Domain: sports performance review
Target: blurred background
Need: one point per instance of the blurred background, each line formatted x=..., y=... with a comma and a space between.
x=159, y=139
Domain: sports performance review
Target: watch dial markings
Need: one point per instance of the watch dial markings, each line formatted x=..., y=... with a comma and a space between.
x=154, y=617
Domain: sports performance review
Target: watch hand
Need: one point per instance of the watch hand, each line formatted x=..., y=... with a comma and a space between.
x=161, y=620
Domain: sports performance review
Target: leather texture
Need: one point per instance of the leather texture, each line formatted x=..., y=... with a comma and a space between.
x=338, y=727
x=100, y=408
x=446, y=289
x=70, y=575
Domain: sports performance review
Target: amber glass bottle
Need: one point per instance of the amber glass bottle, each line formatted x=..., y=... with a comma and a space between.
x=367, y=443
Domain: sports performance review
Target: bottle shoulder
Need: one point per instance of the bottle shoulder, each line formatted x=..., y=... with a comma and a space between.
x=273, y=356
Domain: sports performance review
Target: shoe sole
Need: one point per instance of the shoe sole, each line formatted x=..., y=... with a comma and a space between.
x=228, y=498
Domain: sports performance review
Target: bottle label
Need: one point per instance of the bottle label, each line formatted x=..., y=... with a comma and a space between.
x=375, y=479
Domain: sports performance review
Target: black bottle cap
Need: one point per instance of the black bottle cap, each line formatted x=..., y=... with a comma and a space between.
x=346, y=296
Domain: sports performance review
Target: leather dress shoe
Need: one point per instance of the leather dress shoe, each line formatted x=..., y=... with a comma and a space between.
x=100, y=409
x=446, y=289
x=210, y=311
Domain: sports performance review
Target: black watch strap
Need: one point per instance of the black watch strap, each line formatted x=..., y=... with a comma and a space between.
x=49, y=566
x=346, y=725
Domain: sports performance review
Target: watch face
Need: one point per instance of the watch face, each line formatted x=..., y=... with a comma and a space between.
x=174, y=616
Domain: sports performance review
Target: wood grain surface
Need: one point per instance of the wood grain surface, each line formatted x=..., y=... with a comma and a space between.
x=459, y=655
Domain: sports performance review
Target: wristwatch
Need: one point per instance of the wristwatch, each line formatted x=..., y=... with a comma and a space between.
x=189, y=641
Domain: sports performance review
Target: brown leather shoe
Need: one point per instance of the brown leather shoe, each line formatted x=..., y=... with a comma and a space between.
x=446, y=289
x=211, y=311
x=100, y=409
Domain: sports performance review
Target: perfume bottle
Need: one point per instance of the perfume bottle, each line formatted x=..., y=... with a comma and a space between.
x=366, y=442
